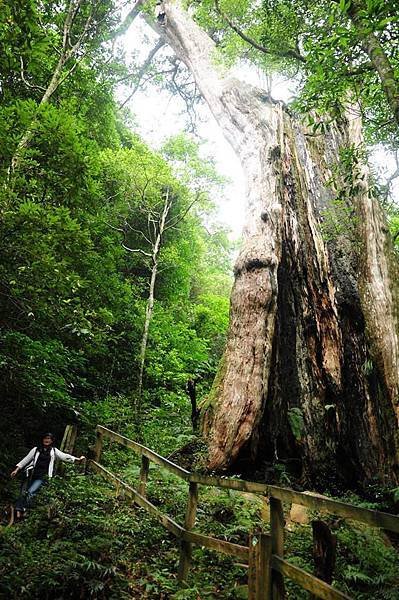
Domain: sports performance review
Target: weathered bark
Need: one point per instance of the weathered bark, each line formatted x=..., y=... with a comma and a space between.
x=254, y=129
x=307, y=319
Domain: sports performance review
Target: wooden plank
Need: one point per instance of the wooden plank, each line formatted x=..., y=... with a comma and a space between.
x=252, y=560
x=229, y=548
x=277, y=523
x=143, y=450
x=64, y=443
x=264, y=574
x=231, y=484
x=59, y=468
x=308, y=582
x=222, y=546
x=313, y=501
x=324, y=551
x=259, y=571
x=144, y=471
x=165, y=520
x=185, y=546
x=341, y=509
x=191, y=511
x=72, y=439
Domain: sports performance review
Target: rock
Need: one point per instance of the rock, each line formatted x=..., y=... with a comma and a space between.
x=299, y=514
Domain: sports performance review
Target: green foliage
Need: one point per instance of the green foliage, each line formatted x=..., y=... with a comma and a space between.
x=393, y=223
x=366, y=564
x=319, y=43
x=72, y=300
x=295, y=419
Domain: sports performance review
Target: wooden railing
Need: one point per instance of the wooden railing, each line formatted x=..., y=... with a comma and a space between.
x=265, y=553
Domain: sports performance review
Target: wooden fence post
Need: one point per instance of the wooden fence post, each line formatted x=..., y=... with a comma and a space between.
x=69, y=439
x=145, y=467
x=67, y=445
x=65, y=438
x=277, y=540
x=186, y=547
x=98, y=446
x=259, y=568
x=324, y=551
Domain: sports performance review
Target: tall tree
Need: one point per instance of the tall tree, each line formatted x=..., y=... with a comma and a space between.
x=76, y=32
x=312, y=353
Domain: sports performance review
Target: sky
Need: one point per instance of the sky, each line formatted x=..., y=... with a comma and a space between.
x=159, y=115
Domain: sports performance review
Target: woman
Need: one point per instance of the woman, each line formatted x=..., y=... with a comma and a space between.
x=39, y=464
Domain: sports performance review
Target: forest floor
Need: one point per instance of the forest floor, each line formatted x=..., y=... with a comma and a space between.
x=93, y=544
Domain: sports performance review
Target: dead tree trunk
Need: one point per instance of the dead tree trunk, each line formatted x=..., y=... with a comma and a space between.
x=310, y=369
x=155, y=252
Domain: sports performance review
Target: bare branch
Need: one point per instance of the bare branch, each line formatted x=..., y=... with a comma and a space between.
x=143, y=252
x=144, y=67
x=181, y=216
x=396, y=173
x=29, y=85
x=138, y=232
x=71, y=70
x=120, y=229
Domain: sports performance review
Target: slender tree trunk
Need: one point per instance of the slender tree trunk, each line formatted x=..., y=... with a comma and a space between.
x=310, y=370
x=29, y=133
x=150, y=301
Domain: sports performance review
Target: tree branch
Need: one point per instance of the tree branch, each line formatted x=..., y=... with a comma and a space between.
x=143, y=252
x=29, y=85
x=143, y=70
x=290, y=53
x=181, y=216
x=122, y=29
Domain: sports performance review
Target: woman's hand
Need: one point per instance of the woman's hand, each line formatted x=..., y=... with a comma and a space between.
x=81, y=459
x=14, y=472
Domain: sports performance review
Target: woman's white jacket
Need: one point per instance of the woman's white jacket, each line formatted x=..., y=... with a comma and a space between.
x=30, y=459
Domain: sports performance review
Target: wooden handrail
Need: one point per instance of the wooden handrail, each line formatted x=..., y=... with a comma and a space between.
x=206, y=541
x=165, y=520
x=306, y=580
x=222, y=546
x=144, y=451
x=265, y=554
x=367, y=516
x=314, y=501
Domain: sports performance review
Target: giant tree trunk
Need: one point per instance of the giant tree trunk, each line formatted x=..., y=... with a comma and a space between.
x=310, y=370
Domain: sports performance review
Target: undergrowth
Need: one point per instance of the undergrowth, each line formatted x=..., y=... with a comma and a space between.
x=95, y=545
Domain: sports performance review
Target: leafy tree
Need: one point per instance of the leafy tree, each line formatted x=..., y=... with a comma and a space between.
x=338, y=51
